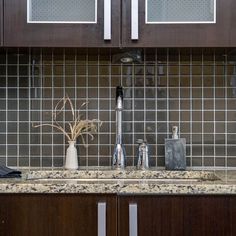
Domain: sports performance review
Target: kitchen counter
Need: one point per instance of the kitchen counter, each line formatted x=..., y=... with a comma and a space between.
x=123, y=182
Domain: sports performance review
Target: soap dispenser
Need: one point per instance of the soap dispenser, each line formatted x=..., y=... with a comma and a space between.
x=143, y=155
x=175, y=151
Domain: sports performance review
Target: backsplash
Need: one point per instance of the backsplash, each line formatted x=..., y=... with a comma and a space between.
x=194, y=89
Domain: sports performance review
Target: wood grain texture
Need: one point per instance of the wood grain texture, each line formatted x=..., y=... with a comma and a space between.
x=54, y=214
x=18, y=33
x=180, y=215
x=221, y=34
x=232, y=215
x=207, y=216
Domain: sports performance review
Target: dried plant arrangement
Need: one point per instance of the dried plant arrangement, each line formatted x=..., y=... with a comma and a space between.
x=76, y=126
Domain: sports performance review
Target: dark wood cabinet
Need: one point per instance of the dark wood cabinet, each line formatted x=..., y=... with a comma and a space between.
x=17, y=32
x=178, y=215
x=55, y=214
x=219, y=34
x=1, y=22
x=135, y=215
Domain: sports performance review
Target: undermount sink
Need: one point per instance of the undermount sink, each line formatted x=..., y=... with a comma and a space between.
x=120, y=177
x=114, y=181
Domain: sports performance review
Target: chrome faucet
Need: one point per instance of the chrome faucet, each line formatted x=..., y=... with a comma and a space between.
x=119, y=158
x=143, y=155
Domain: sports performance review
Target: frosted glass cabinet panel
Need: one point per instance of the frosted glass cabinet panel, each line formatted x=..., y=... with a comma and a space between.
x=180, y=11
x=61, y=11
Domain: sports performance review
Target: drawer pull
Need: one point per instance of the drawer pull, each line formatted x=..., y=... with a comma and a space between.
x=101, y=219
x=133, y=219
x=107, y=19
x=134, y=19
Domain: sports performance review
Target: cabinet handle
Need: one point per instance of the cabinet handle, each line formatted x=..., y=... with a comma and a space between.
x=107, y=19
x=134, y=19
x=101, y=219
x=133, y=219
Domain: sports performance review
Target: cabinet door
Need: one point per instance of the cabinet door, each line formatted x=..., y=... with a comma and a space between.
x=62, y=23
x=155, y=216
x=179, y=23
x=176, y=215
x=57, y=215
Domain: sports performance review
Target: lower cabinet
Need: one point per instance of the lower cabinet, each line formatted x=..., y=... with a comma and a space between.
x=111, y=215
x=177, y=216
x=58, y=215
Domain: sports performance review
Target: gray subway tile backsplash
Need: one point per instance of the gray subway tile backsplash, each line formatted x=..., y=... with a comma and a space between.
x=194, y=89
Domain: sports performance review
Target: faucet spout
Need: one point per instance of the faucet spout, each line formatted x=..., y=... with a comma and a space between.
x=118, y=161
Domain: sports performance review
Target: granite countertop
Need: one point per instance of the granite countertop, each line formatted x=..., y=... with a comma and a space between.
x=122, y=182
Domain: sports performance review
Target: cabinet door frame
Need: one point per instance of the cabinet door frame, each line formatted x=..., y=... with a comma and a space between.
x=19, y=33
x=219, y=34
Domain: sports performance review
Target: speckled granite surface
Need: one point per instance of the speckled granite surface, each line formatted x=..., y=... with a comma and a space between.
x=123, y=182
x=127, y=174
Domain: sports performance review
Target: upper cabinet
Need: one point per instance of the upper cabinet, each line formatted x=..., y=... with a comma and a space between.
x=62, y=23
x=119, y=23
x=178, y=23
x=1, y=22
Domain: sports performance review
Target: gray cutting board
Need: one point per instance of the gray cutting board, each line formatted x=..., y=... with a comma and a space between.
x=175, y=154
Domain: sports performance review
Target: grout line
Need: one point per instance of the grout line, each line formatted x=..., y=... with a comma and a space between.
x=203, y=128
x=52, y=106
x=18, y=112
x=179, y=84
x=144, y=98
x=98, y=90
x=226, y=110
x=161, y=110
x=6, y=158
x=156, y=107
x=118, y=75
x=110, y=111
x=29, y=90
x=130, y=133
x=41, y=110
x=130, y=144
x=191, y=110
x=207, y=122
x=87, y=95
x=75, y=104
x=138, y=87
x=133, y=114
x=167, y=95
x=214, y=112
x=159, y=168
x=118, y=64
x=64, y=115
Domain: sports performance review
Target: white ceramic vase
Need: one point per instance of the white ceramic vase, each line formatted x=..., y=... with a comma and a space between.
x=71, y=157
